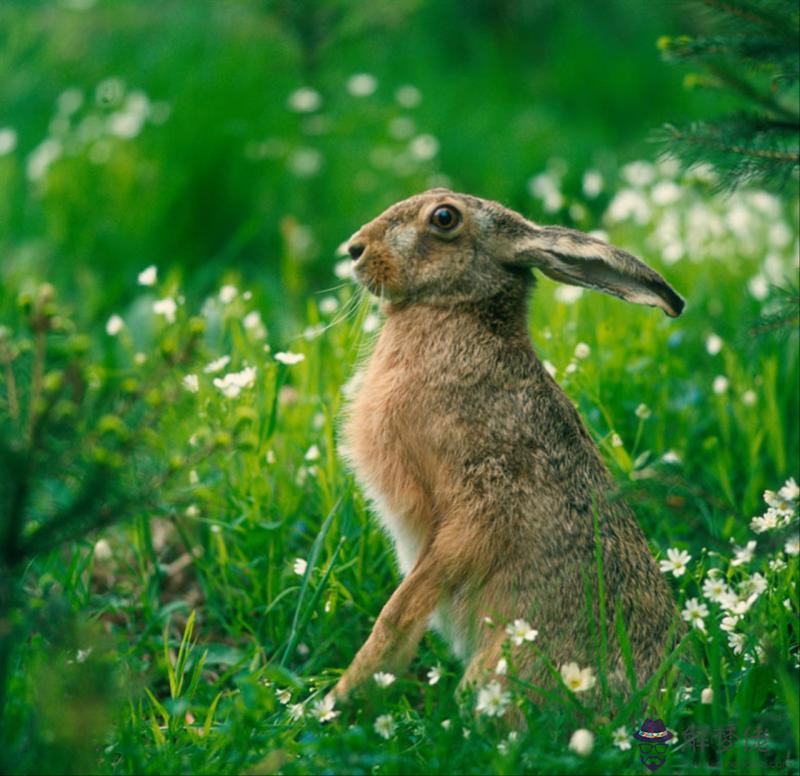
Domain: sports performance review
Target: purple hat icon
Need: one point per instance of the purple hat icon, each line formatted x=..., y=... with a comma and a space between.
x=653, y=731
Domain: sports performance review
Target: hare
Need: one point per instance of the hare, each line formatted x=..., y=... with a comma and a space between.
x=477, y=463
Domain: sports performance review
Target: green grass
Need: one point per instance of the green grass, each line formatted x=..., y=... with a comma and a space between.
x=197, y=636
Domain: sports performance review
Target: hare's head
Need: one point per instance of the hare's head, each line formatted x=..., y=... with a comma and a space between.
x=443, y=248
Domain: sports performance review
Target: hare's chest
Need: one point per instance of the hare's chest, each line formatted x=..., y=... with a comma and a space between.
x=382, y=444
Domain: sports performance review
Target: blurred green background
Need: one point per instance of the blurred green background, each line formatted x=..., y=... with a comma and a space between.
x=183, y=133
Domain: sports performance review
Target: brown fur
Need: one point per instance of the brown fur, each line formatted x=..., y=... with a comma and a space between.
x=478, y=464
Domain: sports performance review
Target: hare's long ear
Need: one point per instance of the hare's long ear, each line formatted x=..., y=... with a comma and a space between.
x=573, y=257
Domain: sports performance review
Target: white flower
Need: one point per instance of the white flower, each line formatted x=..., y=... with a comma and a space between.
x=371, y=323
x=676, y=563
x=720, y=384
x=772, y=518
x=234, y=382
x=743, y=554
x=549, y=368
x=385, y=726
x=362, y=84
x=520, y=631
x=147, y=277
x=328, y=305
x=787, y=604
x=8, y=140
x=408, y=96
x=383, y=679
x=621, y=739
x=446, y=723
x=343, y=269
x=616, y=440
x=252, y=322
x=166, y=307
x=792, y=546
x=754, y=585
x=629, y=204
x=729, y=622
x=582, y=350
x=671, y=457
x=114, y=325
x=665, y=193
x=713, y=344
x=707, y=696
x=715, y=589
x=777, y=564
x=582, y=742
x=304, y=100
x=296, y=711
x=576, y=678
x=299, y=567
x=289, y=358
x=736, y=642
x=492, y=700
x=82, y=654
x=312, y=454
x=592, y=183
x=643, y=412
x=749, y=398
x=284, y=696
x=434, y=675
x=639, y=173
x=424, y=147
x=758, y=286
x=227, y=294
x=790, y=490
x=323, y=710
x=568, y=294
x=695, y=613
x=191, y=383
x=192, y=511
x=102, y=550
x=217, y=365
x=502, y=667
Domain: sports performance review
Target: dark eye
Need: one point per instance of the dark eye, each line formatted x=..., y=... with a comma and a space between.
x=445, y=217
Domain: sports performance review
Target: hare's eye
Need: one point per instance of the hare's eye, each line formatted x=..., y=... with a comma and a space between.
x=445, y=217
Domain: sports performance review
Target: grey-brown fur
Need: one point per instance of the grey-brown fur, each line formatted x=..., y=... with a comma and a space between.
x=478, y=464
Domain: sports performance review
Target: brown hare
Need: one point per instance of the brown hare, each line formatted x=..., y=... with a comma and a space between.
x=477, y=463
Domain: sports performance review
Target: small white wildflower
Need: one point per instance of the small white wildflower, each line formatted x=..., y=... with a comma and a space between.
x=715, y=589
x=102, y=550
x=665, y=193
x=492, y=700
x=227, y=294
x=643, y=412
x=744, y=554
x=758, y=286
x=502, y=667
x=304, y=100
x=324, y=710
x=312, y=454
x=671, y=457
x=749, y=398
x=191, y=383
x=790, y=490
x=582, y=742
x=736, y=642
x=362, y=84
x=707, y=696
x=289, y=358
x=8, y=140
x=148, y=277
x=328, y=305
x=720, y=384
x=408, y=96
x=754, y=585
x=592, y=183
x=252, y=322
x=284, y=696
x=217, y=365
x=792, y=546
x=299, y=566
x=434, y=675
x=621, y=739
x=549, y=368
x=568, y=294
x=114, y=325
x=83, y=654
x=446, y=723
x=777, y=564
x=166, y=307
x=520, y=631
x=140, y=358
x=343, y=269
x=424, y=147
x=296, y=711
x=385, y=726
x=729, y=622
x=676, y=563
x=576, y=678
x=371, y=323
x=383, y=678
x=571, y=368
x=695, y=613
x=192, y=511
x=233, y=383
x=771, y=519
x=616, y=440
x=582, y=350
x=713, y=344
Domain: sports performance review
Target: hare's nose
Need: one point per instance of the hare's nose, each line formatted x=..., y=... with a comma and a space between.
x=355, y=250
